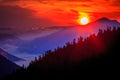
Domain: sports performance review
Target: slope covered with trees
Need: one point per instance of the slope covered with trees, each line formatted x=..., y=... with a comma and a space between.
x=97, y=53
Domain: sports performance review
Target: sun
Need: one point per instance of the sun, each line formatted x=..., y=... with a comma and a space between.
x=83, y=18
x=84, y=21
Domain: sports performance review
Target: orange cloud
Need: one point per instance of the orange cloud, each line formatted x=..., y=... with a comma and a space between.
x=65, y=12
x=22, y=19
x=116, y=3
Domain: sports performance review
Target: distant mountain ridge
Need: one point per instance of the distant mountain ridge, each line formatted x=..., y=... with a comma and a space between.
x=91, y=56
x=104, y=19
x=104, y=22
x=58, y=38
x=9, y=56
x=61, y=37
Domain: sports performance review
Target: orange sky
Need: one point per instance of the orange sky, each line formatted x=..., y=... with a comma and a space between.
x=66, y=12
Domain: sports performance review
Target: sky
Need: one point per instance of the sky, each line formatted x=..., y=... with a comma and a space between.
x=24, y=15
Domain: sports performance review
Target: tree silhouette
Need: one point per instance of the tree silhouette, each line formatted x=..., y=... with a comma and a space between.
x=98, y=52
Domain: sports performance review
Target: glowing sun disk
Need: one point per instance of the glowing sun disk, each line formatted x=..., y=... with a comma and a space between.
x=84, y=20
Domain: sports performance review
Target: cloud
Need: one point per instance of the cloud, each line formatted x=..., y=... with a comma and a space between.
x=116, y=3
x=13, y=16
x=40, y=33
x=110, y=15
x=76, y=0
x=47, y=1
x=9, y=0
x=64, y=0
x=37, y=13
x=19, y=18
x=85, y=5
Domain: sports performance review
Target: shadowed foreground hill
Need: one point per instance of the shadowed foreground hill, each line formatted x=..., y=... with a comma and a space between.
x=95, y=54
x=7, y=67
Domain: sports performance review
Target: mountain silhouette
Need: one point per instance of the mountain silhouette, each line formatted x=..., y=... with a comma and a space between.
x=103, y=19
x=6, y=67
x=92, y=55
x=9, y=56
x=103, y=23
x=58, y=39
x=68, y=34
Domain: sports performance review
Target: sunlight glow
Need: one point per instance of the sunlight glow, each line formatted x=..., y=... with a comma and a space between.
x=83, y=18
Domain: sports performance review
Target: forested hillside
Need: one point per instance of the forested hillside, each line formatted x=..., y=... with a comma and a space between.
x=97, y=53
